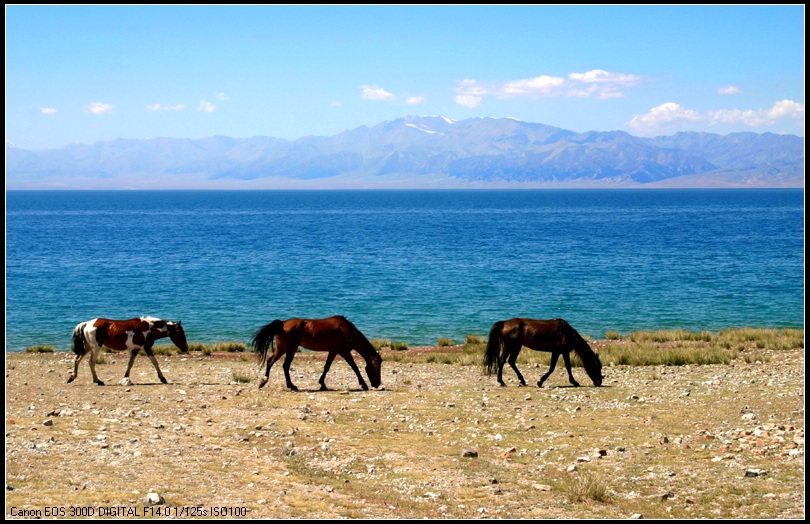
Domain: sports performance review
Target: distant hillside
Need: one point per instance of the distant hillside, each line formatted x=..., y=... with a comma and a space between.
x=420, y=152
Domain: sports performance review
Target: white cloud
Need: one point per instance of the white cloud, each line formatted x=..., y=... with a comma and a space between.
x=48, y=111
x=158, y=107
x=470, y=93
x=206, y=107
x=539, y=86
x=600, y=76
x=665, y=116
x=98, y=108
x=729, y=90
x=609, y=93
x=470, y=101
x=596, y=83
x=787, y=109
x=375, y=92
x=336, y=103
x=671, y=115
x=221, y=96
x=415, y=100
x=758, y=117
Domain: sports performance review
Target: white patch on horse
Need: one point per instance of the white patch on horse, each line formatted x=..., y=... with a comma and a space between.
x=130, y=340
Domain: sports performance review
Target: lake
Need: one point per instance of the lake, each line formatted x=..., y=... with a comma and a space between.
x=409, y=266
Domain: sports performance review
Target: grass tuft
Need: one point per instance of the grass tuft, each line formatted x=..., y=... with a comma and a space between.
x=40, y=349
x=379, y=343
x=586, y=486
x=475, y=340
x=241, y=378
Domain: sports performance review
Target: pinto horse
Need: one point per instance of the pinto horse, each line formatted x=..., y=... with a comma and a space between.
x=130, y=335
x=507, y=338
x=335, y=334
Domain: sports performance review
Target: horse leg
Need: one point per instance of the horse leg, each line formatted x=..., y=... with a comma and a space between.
x=513, y=364
x=567, y=360
x=322, y=380
x=555, y=356
x=510, y=354
x=75, y=368
x=287, y=362
x=126, y=381
x=148, y=350
x=347, y=356
x=270, y=361
x=93, y=355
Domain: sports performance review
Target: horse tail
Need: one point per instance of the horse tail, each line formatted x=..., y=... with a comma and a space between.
x=78, y=339
x=264, y=337
x=493, y=348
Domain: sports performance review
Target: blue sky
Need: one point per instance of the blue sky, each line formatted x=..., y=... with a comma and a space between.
x=89, y=73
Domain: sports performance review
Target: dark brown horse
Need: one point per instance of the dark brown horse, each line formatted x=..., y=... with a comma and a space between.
x=130, y=335
x=507, y=337
x=336, y=335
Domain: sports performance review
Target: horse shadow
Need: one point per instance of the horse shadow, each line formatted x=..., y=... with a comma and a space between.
x=330, y=390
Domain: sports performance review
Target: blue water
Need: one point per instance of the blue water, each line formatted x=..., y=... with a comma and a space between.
x=410, y=266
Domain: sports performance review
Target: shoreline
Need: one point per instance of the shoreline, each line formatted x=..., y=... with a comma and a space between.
x=66, y=348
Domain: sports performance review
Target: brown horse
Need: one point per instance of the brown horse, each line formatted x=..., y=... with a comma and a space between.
x=130, y=335
x=336, y=335
x=556, y=336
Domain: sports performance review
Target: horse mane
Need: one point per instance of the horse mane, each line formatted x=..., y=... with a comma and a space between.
x=590, y=359
x=361, y=338
x=578, y=343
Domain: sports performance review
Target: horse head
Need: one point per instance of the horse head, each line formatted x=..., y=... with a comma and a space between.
x=373, y=366
x=177, y=335
x=593, y=366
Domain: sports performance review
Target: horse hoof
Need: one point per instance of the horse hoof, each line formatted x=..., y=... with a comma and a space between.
x=293, y=388
x=324, y=388
x=365, y=387
x=162, y=379
x=539, y=384
x=262, y=383
x=70, y=379
x=100, y=383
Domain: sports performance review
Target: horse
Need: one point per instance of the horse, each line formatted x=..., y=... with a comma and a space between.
x=507, y=338
x=130, y=335
x=335, y=334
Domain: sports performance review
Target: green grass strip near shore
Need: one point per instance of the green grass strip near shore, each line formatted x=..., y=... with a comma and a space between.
x=639, y=348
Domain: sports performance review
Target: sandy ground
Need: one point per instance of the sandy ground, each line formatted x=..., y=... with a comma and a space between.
x=436, y=440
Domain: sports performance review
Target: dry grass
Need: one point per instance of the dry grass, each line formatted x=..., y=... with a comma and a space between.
x=661, y=441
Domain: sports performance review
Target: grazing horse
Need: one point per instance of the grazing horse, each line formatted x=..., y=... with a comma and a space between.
x=336, y=335
x=130, y=335
x=556, y=336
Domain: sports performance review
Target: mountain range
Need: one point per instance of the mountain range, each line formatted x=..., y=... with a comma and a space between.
x=419, y=152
